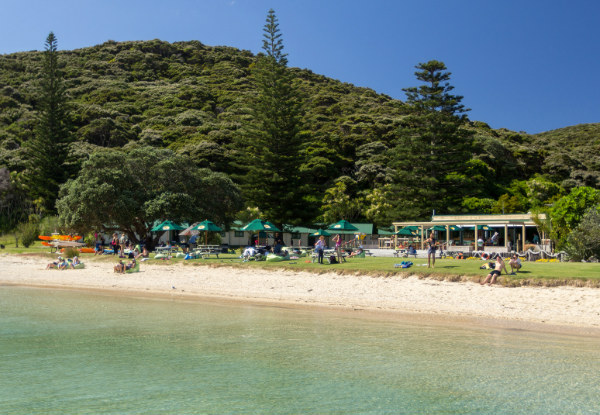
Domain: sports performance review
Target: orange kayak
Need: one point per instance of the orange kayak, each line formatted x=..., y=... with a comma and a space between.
x=87, y=250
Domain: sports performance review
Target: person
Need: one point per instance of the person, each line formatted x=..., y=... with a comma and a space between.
x=319, y=248
x=495, y=238
x=277, y=244
x=114, y=244
x=75, y=262
x=64, y=264
x=480, y=244
x=338, y=248
x=122, y=245
x=129, y=266
x=54, y=264
x=536, y=239
x=515, y=264
x=432, y=246
x=120, y=267
x=499, y=266
x=411, y=251
x=358, y=251
x=248, y=253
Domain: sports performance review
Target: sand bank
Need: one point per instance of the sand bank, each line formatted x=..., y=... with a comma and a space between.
x=569, y=309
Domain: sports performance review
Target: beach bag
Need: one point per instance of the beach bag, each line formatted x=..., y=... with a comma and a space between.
x=332, y=259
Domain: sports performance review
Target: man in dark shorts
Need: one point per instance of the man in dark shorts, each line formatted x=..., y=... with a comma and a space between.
x=491, y=278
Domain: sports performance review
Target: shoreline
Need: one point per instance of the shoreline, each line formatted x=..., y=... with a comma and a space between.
x=564, y=309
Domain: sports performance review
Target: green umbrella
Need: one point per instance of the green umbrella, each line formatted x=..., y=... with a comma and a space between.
x=438, y=228
x=167, y=226
x=342, y=225
x=483, y=228
x=406, y=232
x=260, y=225
x=207, y=226
x=321, y=232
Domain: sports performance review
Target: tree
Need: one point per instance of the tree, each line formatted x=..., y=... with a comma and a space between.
x=433, y=148
x=339, y=203
x=15, y=207
x=130, y=191
x=568, y=211
x=272, y=141
x=584, y=241
x=47, y=151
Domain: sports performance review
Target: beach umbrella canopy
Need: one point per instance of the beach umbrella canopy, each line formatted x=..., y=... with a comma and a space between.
x=321, y=232
x=167, y=226
x=260, y=225
x=438, y=228
x=406, y=232
x=483, y=228
x=342, y=225
x=207, y=226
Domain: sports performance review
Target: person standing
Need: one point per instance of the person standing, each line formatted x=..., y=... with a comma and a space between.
x=114, y=244
x=338, y=248
x=432, y=246
x=319, y=248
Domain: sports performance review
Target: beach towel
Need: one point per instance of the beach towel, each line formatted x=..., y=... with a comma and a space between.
x=404, y=264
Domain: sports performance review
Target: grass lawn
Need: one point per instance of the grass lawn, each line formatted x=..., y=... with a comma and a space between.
x=532, y=273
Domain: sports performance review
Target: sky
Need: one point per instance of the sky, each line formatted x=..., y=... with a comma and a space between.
x=524, y=65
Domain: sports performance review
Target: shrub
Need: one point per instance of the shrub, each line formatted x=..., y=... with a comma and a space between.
x=28, y=233
x=70, y=252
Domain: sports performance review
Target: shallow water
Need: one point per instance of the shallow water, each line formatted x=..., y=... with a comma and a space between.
x=87, y=353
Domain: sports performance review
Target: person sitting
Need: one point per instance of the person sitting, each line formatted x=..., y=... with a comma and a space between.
x=515, y=264
x=356, y=253
x=54, y=264
x=75, y=262
x=120, y=267
x=129, y=266
x=64, y=264
x=249, y=252
x=411, y=251
x=499, y=266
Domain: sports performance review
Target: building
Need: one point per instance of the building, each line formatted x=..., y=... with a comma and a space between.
x=515, y=232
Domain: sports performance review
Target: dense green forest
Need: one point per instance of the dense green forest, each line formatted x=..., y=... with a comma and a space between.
x=356, y=152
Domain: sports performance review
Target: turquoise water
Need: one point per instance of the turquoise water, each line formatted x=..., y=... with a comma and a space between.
x=85, y=353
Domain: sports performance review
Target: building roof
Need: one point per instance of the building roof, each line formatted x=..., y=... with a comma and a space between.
x=521, y=219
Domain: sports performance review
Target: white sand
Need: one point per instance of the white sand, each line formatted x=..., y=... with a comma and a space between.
x=569, y=309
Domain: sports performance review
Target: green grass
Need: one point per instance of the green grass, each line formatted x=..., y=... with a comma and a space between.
x=532, y=273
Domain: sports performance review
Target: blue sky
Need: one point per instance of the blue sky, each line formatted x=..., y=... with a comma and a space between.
x=525, y=65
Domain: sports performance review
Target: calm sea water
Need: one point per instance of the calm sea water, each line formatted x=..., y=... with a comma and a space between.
x=84, y=353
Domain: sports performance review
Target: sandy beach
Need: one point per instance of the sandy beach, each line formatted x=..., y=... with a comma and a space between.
x=563, y=309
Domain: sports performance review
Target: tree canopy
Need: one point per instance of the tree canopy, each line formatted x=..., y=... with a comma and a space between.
x=132, y=190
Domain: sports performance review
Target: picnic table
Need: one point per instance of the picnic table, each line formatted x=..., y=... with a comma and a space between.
x=166, y=249
x=205, y=251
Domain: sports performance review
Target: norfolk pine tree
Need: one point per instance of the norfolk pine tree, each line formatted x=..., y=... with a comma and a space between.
x=46, y=152
x=272, y=140
x=433, y=150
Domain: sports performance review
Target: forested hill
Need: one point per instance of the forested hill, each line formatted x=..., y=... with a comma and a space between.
x=194, y=99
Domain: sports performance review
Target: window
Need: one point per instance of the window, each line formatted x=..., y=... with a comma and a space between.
x=239, y=234
x=295, y=235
